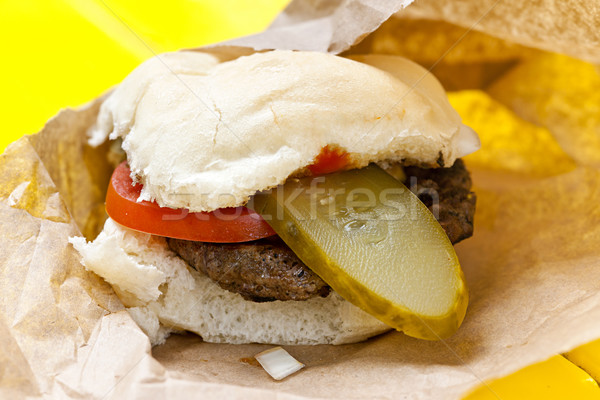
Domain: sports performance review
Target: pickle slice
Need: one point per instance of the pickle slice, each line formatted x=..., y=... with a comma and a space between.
x=374, y=242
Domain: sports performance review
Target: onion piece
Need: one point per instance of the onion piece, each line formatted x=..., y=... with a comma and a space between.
x=278, y=363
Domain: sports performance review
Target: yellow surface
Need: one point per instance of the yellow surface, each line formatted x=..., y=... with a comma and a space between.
x=60, y=53
x=588, y=358
x=511, y=144
x=555, y=379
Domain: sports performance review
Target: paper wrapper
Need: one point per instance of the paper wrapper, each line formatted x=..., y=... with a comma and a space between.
x=533, y=265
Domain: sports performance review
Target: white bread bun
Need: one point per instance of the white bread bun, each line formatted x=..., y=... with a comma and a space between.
x=203, y=131
x=164, y=294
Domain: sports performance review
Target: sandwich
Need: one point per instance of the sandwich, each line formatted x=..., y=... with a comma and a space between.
x=263, y=198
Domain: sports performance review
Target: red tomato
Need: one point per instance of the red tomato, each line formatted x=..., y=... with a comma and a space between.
x=225, y=225
x=329, y=160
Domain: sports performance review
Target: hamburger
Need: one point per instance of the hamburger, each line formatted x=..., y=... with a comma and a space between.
x=194, y=241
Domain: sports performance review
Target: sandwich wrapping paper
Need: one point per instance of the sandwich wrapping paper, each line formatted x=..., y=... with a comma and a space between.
x=533, y=265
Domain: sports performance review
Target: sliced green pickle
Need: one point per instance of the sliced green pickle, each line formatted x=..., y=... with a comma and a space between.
x=376, y=244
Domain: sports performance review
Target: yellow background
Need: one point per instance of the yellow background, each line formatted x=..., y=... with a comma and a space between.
x=61, y=53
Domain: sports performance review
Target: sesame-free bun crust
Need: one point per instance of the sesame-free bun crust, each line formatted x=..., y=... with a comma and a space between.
x=164, y=294
x=204, y=131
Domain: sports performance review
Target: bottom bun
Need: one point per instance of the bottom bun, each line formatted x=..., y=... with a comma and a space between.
x=164, y=294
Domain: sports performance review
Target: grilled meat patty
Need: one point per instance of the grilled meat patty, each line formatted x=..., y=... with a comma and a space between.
x=263, y=270
x=267, y=269
x=447, y=194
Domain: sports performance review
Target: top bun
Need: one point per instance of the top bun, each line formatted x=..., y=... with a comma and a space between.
x=204, y=131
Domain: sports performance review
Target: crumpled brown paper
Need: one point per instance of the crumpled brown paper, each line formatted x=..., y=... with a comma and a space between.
x=532, y=266
x=323, y=25
x=569, y=27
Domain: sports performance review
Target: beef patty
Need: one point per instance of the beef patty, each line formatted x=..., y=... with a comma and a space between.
x=447, y=194
x=267, y=269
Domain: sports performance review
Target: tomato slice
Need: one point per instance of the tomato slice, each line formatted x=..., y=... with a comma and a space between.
x=329, y=160
x=225, y=225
